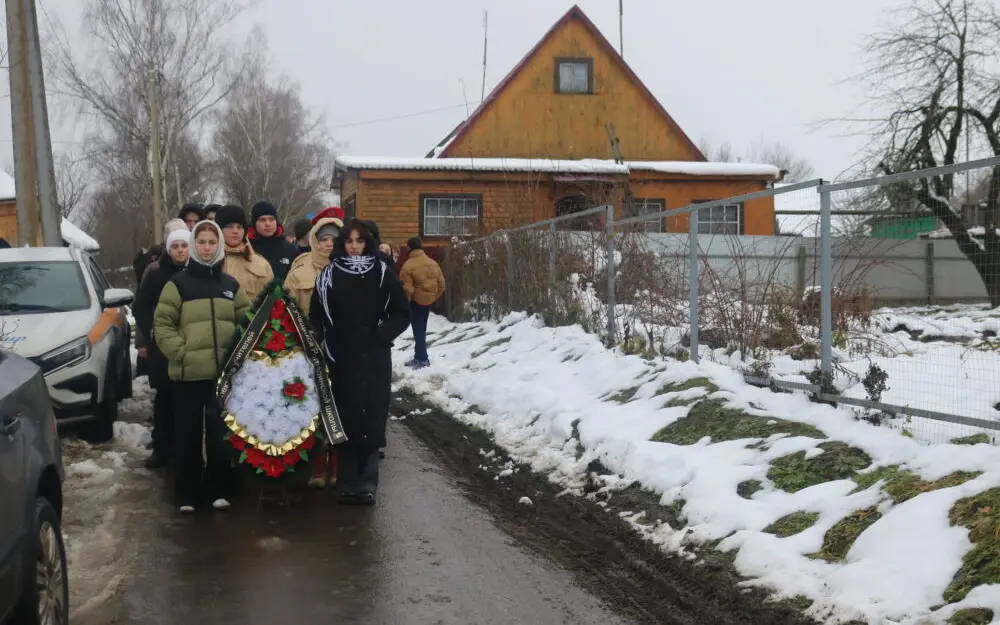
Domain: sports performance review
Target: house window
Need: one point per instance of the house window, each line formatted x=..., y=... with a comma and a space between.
x=725, y=219
x=450, y=215
x=649, y=207
x=574, y=75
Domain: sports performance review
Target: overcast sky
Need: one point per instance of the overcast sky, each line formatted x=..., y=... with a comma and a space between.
x=729, y=70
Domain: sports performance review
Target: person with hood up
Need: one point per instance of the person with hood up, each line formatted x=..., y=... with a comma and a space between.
x=141, y=336
x=160, y=273
x=249, y=268
x=194, y=323
x=358, y=310
x=302, y=228
x=300, y=283
x=191, y=214
x=267, y=237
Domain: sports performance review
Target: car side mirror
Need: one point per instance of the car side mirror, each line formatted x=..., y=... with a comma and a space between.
x=116, y=298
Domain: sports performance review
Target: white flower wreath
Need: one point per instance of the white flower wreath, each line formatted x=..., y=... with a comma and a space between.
x=259, y=405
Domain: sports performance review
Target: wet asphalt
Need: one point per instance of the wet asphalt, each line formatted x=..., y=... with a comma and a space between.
x=424, y=555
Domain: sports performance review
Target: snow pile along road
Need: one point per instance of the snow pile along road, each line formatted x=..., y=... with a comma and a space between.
x=862, y=521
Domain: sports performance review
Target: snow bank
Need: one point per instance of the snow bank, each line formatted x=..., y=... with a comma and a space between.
x=543, y=393
x=76, y=237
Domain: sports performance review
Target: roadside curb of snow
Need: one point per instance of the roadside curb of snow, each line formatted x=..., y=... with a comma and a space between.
x=557, y=453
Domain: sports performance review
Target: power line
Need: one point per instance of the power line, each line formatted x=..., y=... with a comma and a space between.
x=397, y=117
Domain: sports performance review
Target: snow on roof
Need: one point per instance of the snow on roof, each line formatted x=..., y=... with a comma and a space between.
x=583, y=166
x=77, y=238
x=7, y=186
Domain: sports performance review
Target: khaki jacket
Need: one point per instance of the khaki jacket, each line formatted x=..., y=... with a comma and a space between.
x=301, y=279
x=253, y=274
x=422, y=278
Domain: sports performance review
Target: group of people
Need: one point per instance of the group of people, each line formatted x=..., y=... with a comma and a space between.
x=197, y=287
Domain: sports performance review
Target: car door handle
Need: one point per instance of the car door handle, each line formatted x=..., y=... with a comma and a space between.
x=11, y=425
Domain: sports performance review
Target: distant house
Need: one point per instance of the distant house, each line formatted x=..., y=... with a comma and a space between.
x=71, y=234
x=540, y=146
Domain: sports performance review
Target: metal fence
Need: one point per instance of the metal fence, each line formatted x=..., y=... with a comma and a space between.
x=805, y=312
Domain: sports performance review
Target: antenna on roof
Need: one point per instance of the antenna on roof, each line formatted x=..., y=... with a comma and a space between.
x=621, y=28
x=486, y=39
x=468, y=113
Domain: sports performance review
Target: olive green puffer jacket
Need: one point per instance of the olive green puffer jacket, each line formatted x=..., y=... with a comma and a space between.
x=195, y=321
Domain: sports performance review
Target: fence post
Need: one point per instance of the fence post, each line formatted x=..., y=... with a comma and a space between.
x=510, y=274
x=552, y=255
x=800, y=272
x=929, y=272
x=693, y=260
x=477, y=299
x=609, y=236
x=826, y=286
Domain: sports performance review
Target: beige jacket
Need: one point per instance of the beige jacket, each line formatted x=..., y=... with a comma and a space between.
x=422, y=278
x=253, y=273
x=301, y=279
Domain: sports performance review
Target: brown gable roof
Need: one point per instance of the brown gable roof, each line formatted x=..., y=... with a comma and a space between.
x=574, y=13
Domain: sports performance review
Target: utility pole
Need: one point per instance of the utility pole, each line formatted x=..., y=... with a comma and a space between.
x=48, y=196
x=154, y=162
x=21, y=117
x=621, y=28
x=486, y=42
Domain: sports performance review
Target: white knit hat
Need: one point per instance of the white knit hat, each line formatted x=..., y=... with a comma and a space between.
x=178, y=235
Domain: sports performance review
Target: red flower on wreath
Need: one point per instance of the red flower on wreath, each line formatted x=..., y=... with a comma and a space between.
x=255, y=457
x=291, y=457
x=276, y=343
x=295, y=390
x=273, y=466
x=237, y=442
x=279, y=309
x=308, y=443
x=288, y=325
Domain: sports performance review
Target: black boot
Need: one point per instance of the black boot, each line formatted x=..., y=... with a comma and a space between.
x=157, y=460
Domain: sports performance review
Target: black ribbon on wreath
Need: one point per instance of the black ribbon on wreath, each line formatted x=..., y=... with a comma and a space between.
x=332, y=427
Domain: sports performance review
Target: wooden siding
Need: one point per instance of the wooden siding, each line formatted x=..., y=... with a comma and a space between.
x=8, y=221
x=392, y=199
x=528, y=119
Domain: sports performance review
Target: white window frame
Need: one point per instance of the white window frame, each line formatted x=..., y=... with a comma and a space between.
x=650, y=206
x=439, y=214
x=722, y=219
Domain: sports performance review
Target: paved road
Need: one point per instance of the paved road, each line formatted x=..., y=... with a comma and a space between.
x=424, y=555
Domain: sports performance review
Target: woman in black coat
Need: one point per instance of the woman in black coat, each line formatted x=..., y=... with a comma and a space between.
x=177, y=248
x=359, y=308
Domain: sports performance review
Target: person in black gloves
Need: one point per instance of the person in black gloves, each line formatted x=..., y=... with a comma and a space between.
x=267, y=238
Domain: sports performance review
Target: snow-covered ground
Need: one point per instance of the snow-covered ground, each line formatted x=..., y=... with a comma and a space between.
x=557, y=400
x=106, y=489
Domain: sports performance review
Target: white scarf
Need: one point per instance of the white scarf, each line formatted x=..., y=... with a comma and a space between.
x=356, y=265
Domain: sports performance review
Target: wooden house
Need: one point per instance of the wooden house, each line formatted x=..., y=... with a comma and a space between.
x=570, y=127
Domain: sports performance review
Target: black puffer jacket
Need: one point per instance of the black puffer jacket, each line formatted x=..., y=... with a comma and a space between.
x=278, y=252
x=359, y=311
x=145, y=305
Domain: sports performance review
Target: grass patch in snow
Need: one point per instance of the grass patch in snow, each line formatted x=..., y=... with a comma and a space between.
x=792, y=524
x=624, y=396
x=971, y=616
x=748, y=488
x=636, y=499
x=980, y=514
x=468, y=336
x=687, y=385
x=838, y=461
x=680, y=401
x=491, y=345
x=839, y=539
x=711, y=418
x=973, y=439
x=902, y=485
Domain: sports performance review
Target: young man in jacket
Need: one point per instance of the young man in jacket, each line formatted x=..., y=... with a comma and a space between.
x=423, y=282
x=267, y=237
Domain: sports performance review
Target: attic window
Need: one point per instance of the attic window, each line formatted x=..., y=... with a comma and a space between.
x=574, y=75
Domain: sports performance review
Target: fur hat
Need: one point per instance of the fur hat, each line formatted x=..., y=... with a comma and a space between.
x=302, y=228
x=196, y=209
x=231, y=214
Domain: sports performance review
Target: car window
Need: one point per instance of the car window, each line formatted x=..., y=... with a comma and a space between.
x=100, y=281
x=42, y=286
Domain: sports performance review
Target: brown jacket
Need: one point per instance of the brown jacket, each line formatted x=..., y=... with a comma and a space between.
x=422, y=278
x=301, y=279
x=253, y=273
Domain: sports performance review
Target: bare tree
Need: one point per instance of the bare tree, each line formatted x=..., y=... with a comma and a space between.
x=935, y=86
x=722, y=153
x=796, y=168
x=176, y=51
x=268, y=146
x=72, y=183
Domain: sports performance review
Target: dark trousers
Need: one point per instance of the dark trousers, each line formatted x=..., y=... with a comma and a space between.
x=357, y=469
x=203, y=457
x=418, y=320
x=163, y=422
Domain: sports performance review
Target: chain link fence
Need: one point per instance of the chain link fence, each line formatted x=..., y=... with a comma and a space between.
x=879, y=294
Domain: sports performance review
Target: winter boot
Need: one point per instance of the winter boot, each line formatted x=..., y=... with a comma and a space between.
x=319, y=475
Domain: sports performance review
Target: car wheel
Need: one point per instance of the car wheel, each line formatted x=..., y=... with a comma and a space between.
x=45, y=594
x=102, y=428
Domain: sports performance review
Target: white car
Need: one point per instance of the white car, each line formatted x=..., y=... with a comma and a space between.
x=58, y=309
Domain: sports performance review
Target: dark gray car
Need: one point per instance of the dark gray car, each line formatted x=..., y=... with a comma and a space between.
x=33, y=576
